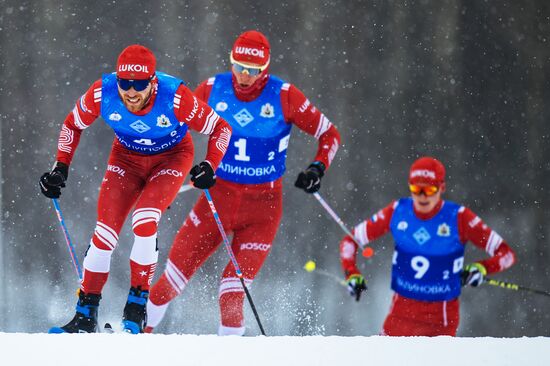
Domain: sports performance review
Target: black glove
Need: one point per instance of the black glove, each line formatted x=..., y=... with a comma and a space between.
x=473, y=274
x=52, y=182
x=356, y=285
x=310, y=180
x=202, y=176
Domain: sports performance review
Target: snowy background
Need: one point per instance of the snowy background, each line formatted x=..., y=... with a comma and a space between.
x=465, y=81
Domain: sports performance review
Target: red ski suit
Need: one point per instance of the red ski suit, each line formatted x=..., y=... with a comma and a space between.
x=146, y=183
x=410, y=317
x=251, y=212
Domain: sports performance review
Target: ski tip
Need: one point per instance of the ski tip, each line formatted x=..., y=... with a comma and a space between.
x=130, y=327
x=56, y=330
x=108, y=328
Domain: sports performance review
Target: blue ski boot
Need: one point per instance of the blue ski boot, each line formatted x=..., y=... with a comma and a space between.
x=134, y=317
x=85, y=319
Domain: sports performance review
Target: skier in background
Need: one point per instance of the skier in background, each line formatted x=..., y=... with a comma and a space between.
x=150, y=113
x=261, y=108
x=428, y=262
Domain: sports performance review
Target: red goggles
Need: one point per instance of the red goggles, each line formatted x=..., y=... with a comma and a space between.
x=427, y=190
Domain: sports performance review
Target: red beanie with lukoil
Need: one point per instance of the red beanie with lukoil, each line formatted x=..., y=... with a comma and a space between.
x=251, y=47
x=427, y=170
x=136, y=62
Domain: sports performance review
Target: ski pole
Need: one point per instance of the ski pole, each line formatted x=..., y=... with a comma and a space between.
x=310, y=266
x=513, y=286
x=367, y=251
x=67, y=239
x=232, y=257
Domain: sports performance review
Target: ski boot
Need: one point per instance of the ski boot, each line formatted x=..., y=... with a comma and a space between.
x=134, y=317
x=85, y=319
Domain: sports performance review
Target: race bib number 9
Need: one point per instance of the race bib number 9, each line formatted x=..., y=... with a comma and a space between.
x=427, y=277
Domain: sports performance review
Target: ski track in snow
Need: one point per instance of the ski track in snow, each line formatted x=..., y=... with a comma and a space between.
x=196, y=350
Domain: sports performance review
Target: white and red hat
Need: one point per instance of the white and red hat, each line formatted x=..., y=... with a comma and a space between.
x=251, y=47
x=427, y=170
x=136, y=62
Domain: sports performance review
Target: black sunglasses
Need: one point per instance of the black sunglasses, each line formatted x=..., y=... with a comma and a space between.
x=138, y=85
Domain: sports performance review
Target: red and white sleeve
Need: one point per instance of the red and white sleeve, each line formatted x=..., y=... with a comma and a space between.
x=472, y=228
x=84, y=113
x=299, y=110
x=200, y=117
x=203, y=90
x=367, y=231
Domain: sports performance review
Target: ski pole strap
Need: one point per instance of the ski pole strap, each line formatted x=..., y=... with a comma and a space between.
x=222, y=232
x=68, y=241
x=336, y=218
x=513, y=286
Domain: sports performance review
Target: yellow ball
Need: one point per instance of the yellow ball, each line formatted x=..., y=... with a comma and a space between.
x=310, y=266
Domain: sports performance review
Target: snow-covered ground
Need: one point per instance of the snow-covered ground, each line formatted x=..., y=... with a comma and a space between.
x=196, y=350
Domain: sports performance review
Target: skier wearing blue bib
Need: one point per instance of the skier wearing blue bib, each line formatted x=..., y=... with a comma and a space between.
x=261, y=110
x=150, y=113
x=428, y=261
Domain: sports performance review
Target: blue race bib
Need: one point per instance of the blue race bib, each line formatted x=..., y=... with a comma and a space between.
x=157, y=131
x=428, y=257
x=258, y=145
